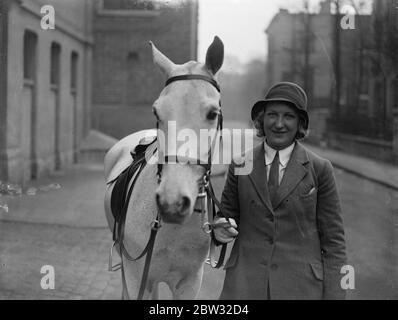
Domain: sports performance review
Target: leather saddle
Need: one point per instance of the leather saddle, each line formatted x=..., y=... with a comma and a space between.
x=121, y=192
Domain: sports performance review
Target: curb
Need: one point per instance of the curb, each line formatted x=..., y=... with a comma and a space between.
x=360, y=174
x=379, y=168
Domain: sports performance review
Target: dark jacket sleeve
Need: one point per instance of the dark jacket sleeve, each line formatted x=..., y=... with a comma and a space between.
x=331, y=230
x=229, y=199
x=230, y=196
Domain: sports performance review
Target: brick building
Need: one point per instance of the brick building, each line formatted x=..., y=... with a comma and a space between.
x=125, y=81
x=351, y=96
x=94, y=70
x=45, y=86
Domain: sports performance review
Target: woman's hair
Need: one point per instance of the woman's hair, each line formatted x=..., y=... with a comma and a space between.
x=259, y=125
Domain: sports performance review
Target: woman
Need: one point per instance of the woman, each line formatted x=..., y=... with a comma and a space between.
x=285, y=214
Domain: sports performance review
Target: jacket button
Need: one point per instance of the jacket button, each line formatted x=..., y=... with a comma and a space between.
x=271, y=241
x=271, y=218
x=274, y=266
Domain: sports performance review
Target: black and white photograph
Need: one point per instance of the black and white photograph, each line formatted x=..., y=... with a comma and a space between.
x=217, y=151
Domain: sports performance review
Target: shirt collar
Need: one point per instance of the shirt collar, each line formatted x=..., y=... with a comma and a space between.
x=284, y=154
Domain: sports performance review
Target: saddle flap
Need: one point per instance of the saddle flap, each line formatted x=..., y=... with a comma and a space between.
x=120, y=193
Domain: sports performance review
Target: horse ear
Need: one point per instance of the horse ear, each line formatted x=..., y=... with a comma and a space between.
x=164, y=63
x=215, y=55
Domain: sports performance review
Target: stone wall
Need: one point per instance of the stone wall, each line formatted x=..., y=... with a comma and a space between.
x=44, y=124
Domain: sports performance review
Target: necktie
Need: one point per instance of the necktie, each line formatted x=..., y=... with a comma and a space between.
x=273, y=179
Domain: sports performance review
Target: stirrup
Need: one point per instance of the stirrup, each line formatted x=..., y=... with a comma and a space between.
x=112, y=267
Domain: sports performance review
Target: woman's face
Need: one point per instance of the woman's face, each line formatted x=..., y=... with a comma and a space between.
x=281, y=123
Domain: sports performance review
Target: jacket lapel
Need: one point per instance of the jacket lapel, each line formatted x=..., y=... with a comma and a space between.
x=295, y=171
x=258, y=176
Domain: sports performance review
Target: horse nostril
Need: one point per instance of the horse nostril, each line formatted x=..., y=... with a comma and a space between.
x=185, y=203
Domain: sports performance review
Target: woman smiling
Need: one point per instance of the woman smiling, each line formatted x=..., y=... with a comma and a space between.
x=286, y=214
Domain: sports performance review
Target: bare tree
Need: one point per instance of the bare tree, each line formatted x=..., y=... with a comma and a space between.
x=336, y=56
x=360, y=7
x=300, y=50
x=307, y=47
x=383, y=52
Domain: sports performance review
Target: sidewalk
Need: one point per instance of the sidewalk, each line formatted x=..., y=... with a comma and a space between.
x=71, y=198
x=376, y=171
x=57, y=221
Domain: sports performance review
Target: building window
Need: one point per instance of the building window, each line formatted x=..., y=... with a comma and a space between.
x=128, y=5
x=73, y=71
x=395, y=93
x=29, y=55
x=55, y=64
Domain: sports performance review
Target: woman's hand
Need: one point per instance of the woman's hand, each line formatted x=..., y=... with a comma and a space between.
x=225, y=231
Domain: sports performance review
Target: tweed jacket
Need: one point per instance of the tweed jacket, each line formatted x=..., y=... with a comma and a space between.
x=297, y=247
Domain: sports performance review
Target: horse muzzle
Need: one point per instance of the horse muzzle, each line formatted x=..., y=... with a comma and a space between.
x=176, y=211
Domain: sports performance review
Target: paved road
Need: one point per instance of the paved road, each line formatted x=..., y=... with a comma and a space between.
x=65, y=228
x=79, y=252
x=371, y=222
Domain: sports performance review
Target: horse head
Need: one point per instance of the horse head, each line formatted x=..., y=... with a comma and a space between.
x=184, y=110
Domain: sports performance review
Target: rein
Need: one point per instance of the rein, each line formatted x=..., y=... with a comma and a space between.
x=206, y=195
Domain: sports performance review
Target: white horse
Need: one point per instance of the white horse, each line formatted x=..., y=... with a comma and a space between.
x=181, y=246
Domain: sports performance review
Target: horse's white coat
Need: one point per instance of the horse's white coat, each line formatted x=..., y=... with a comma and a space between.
x=181, y=248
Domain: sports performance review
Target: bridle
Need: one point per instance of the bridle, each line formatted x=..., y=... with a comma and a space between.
x=205, y=188
x=188, y=160
x=206, y=195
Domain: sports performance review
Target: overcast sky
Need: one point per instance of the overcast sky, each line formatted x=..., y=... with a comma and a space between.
x=240, y=24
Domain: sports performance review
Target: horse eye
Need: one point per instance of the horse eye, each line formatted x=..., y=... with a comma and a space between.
x=212, y=115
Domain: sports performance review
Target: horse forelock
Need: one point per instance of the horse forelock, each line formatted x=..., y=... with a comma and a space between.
x=180, y=97
x=192, y=67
